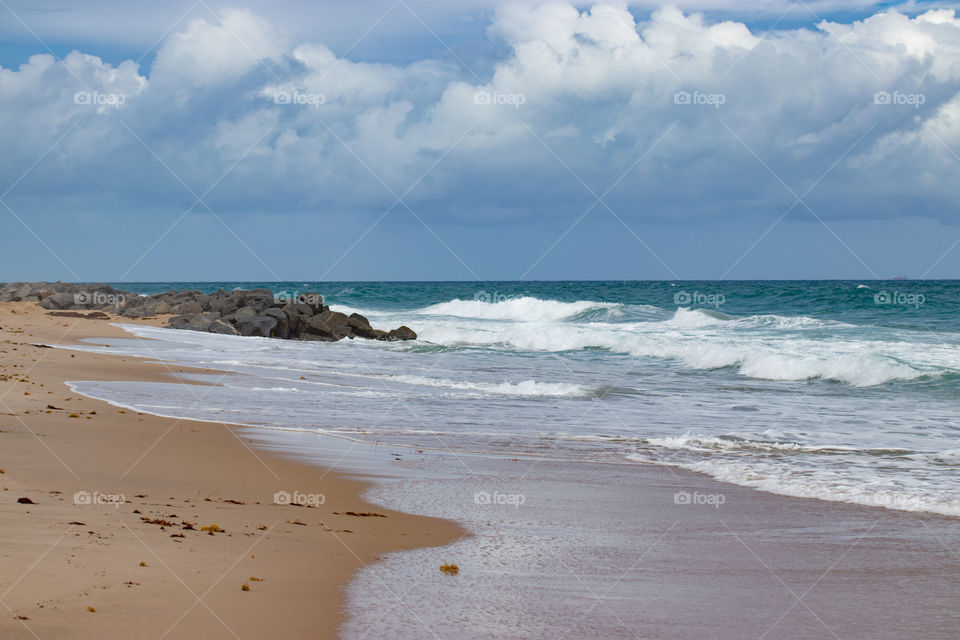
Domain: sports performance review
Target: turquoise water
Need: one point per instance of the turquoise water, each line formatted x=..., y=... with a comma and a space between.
x=837, y=390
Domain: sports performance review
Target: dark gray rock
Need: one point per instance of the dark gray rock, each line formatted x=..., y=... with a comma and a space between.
x=261, y=326
x=218, y=326
x=329, y=325
x=282, y=330
x=58, y=301
x=203, y=321
x=187, y=307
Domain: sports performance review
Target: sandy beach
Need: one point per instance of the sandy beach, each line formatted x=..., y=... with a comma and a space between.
x=112, y=542
x=143, y=566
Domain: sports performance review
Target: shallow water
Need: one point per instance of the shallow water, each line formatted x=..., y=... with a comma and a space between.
x=835, y=390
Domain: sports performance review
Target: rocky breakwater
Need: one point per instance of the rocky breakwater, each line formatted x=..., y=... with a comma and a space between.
x=249, y=312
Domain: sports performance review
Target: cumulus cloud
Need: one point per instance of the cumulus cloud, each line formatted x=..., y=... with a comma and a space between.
x=682, y=116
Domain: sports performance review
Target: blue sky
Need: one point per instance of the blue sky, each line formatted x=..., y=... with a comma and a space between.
x=496, y=141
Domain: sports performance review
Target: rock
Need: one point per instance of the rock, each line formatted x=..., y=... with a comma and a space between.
x=282, y=330
x=361, y=328
x=400, y=333
x=246, y=313
x=188, y=307
x=179, y=322
x=313, y=300
x=261, y=326
x=58, y=301
x=203, y=321
x=225, y=306
x=329, y=325
x=218, y=326
x=254, y=312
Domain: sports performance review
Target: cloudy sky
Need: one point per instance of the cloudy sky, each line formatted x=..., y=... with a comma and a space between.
x=478, y=140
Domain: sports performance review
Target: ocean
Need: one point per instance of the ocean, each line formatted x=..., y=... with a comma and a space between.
x=836, y=390
x=553, y=420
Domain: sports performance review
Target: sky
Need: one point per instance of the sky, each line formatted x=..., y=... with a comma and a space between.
x=427, y=140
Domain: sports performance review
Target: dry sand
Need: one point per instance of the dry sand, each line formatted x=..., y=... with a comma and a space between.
x=102, y=570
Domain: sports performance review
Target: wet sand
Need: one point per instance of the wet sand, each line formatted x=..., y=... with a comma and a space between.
x=643, y=551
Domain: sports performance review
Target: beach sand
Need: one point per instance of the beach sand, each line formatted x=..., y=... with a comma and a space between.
x=102, y=571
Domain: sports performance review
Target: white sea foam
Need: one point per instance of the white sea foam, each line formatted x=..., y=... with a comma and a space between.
x=823, y=483
x=524, y=388
x=525, y=309
x=853, y=362
x=709, y=443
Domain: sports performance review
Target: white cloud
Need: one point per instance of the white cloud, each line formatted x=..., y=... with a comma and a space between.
x=595, y=85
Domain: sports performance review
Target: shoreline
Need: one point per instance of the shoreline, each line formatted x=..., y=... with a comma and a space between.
x=757, y=554
x=59, y=558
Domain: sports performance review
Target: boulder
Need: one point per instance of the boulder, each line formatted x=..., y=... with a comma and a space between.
x=226, y=305
x=203, y=321
x=329, y=325
x=179, y=322
x=58, y=301
x=218, y=326
x=188, y=307
x=282, y=330
x=246, y=313
x=400, y=333
x=360, y=327
x=261, y=326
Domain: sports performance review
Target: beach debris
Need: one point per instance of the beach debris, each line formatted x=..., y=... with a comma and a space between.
x=91, y=609
x=211, y=529
x=74, y=415
x=245, y=586
x=25, y=501
x=93, y=315
x=158, y=521
x=361, y=514
x=50, y=406
x=450, y=569
x=143, y=564
x=255, y=579
x=302, y=524
x=77, y=523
